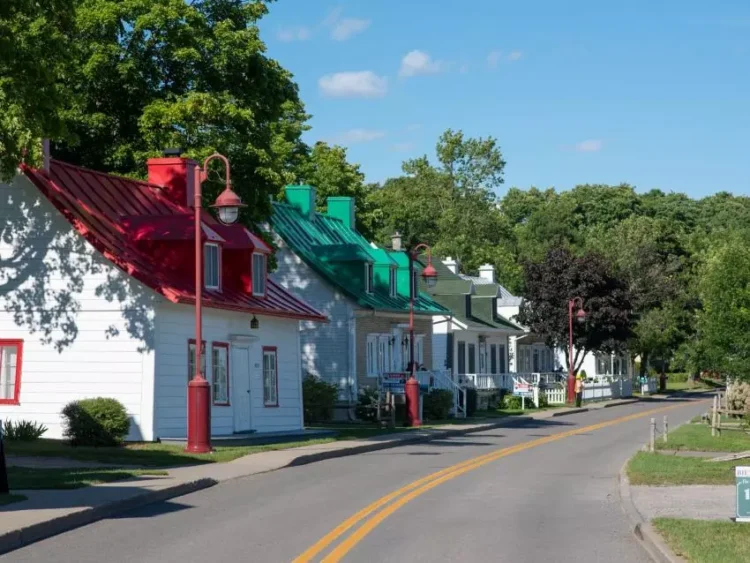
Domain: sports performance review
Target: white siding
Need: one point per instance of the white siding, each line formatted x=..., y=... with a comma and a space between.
x=327, y=348
x=87, y=327
x=440, y=342
x=177, y=326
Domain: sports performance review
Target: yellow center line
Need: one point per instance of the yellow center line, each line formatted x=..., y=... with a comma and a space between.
x=431, y=481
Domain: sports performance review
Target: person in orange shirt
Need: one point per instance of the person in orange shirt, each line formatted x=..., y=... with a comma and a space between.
x=579, y=390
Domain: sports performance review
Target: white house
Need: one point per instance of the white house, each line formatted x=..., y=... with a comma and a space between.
x=98, y=299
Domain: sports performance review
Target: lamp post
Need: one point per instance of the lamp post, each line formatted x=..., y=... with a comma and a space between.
x=199, y=389
x=580, y=317
x=411, y=387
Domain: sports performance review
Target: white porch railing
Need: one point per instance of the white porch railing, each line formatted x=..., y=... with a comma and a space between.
x=490, y=381
x=615, y=389
x=444, y=380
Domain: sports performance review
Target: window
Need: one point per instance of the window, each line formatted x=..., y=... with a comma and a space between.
x=191, y=358
x=524, y=357
x=482, y=357
x=270, y=377
x=393, y=283
x=603, y=364
x=493, y=358
x=211, y=266
x=419, y=349
x=472, y=358
x=220, y=373
x=384, y=353
x=536, y=360
x=372, y=355
x=11, y=352
x=368, y=277
x=461, y=357
x=259, y=274
x=501, y=355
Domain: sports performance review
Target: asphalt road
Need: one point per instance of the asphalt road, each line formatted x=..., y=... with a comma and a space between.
x=543, y=498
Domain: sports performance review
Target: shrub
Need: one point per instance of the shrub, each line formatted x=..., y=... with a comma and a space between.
x=318, y=399
x=96, y=422
x=471, y=401
x=367, y=404
x=543, y=401
x=513, y=402
x=437, y=404
x=23, y=430
x=678, y=377
x=738, y=397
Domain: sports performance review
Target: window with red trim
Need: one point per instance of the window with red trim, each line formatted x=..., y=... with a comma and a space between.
x=191, y=358
x=220, y=373
x=11, y=354
x=270, y=377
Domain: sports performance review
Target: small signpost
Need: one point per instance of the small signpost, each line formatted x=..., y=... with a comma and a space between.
x=742, y=477
x=522, y=389
x=393, y=382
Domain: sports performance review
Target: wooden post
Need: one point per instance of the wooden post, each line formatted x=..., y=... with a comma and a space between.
x=666, y=428
x=713, y=414
x=652, y=435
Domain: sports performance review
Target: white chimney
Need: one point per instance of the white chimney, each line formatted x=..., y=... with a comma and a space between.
x=396, y=241
x=453, y=265
x=487, y=272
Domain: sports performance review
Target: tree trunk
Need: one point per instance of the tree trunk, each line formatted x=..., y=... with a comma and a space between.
x=644, y=365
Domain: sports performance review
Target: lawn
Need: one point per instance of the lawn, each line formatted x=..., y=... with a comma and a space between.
x=697, y=437
x=21, y=478
x=8, y=499
x=703, y=541
x=697, y=385
x=661, y=470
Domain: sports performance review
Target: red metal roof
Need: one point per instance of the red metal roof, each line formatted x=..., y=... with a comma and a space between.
x=112, y=213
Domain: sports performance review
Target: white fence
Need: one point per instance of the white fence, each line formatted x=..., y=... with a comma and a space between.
x=490, y=381
x=601, y=391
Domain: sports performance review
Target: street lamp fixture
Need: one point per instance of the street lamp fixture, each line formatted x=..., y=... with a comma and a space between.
x=228, y=205
x=580, y=317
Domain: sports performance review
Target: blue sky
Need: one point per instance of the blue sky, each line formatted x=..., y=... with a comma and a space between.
x=653, y=93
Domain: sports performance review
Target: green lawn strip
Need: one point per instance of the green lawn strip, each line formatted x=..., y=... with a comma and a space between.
x=21, y=478
x=697, y=437
x=704, y=541
x=661, y=470
x=147, y=454
x=8, y=499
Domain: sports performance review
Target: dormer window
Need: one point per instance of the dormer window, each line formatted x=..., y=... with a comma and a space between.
x=211, y=266
x=259, y=274
x=368, y=277
x=393, y=283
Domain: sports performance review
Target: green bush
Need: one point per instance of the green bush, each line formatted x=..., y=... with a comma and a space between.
x=678, y=377
x=95, y=422
x=318, y=399
x=471, y=401
x=437, y=404
x=367, y=404
x=543, y=401
x=23, y=430
x=513, y=402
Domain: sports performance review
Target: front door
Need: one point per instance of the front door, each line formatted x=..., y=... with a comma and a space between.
x=240, y=375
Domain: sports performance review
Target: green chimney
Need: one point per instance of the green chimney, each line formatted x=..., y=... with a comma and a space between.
x=342, y=208
x=302, y=198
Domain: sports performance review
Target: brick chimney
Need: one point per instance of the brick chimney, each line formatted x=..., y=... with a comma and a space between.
x=176, y=175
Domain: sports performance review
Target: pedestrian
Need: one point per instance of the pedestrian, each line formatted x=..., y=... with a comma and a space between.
x=579, y=390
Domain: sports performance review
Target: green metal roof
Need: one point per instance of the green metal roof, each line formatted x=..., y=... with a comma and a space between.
x=338, y=253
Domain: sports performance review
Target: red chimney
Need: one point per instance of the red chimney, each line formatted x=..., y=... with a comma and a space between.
x=175, y=174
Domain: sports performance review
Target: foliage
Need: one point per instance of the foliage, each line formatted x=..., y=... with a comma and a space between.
x=319, y=398
x=23, y=430
x=738, y=397
x=543, y=401
x=515, y=402
x=95, y=422
x=367, y=404
x=437, y=404
x=562, y=276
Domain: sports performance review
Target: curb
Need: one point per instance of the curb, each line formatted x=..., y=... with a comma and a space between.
x=19, y=538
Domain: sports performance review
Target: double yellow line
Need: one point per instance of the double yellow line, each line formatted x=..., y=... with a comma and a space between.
x=370, y=518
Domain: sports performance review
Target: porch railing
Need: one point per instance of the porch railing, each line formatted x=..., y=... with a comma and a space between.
x=490, y=381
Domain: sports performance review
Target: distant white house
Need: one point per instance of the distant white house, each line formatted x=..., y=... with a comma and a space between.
x=98, y=292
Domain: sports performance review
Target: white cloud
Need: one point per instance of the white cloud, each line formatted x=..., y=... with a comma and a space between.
x=402, y=147
x=418, y=62
x=493, y=59
x=357, y=136
x=294, y=33
x=514, y=55
x=348, y=27
x=590, y=145
x=363, y=84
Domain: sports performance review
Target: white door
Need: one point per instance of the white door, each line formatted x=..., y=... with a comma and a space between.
x=240, y=375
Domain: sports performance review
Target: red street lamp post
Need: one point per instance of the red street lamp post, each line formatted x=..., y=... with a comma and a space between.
x=580, y=317
x=411, y=387
x=199, y=389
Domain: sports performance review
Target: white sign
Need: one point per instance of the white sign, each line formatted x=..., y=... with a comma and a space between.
x=522, y=389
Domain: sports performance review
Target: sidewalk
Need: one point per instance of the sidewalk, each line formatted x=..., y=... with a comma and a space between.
x=49, y=512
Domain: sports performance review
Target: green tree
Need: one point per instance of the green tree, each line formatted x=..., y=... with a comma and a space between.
x=35, y=57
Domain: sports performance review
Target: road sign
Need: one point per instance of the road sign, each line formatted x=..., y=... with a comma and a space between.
x=522, y=389
x=742, y=477
x=393, y=382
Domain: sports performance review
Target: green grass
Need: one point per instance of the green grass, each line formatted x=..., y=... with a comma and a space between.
x=698, y=385
x=21, y=478
x=8, y=499
x=146, y=454
x=661, y=470
x=703, y=541
x=697, y=437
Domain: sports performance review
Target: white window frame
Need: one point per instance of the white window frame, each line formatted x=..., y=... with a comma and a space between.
x=191, y=358
x=393, y=282
x=419, y=349
x=270, y=390
x=11, y=359
x=207, y=263
x=259, y=274
x=368, y=277
x=371, y=355
x=220, y=373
